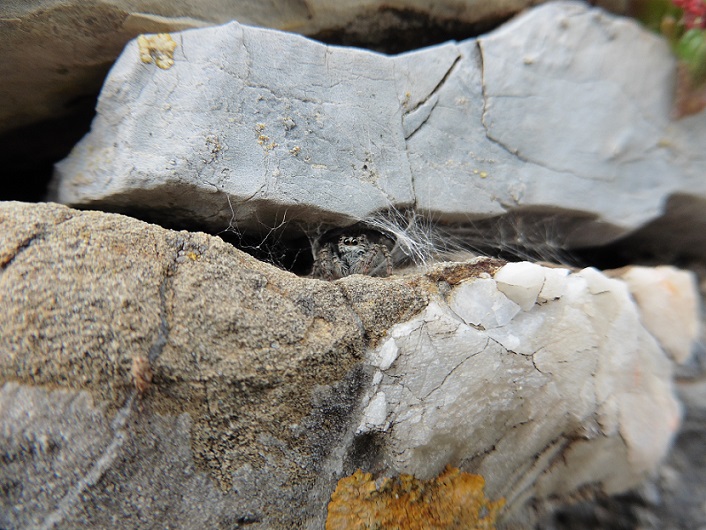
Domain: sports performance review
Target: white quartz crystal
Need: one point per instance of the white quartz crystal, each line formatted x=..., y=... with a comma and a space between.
x=542, y=380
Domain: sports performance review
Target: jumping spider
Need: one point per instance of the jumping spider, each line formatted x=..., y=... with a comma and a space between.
x=352, y=254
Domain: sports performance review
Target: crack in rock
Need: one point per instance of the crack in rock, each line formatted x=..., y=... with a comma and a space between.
x=97, y=471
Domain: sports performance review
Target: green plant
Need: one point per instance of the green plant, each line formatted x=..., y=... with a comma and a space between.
x=683, y=23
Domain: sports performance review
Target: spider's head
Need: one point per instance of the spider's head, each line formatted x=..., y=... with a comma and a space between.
x=352, y=244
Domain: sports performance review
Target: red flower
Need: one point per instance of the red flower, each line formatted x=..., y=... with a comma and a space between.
x=694, y=13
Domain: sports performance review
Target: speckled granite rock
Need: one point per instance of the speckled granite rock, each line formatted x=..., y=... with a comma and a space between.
x=254, y=374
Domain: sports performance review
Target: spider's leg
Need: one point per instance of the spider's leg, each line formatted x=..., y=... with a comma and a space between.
x=372, y=259
x=340, y=269
x=318, y=269
x=383, y=258
x=388, y=259
x=327, y=265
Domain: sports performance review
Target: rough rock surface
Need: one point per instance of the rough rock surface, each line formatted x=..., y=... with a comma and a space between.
x=267, y=388
x=578, y=350
x=259, y=366
x=674, y=497
x=56, y=52
x=252, y=125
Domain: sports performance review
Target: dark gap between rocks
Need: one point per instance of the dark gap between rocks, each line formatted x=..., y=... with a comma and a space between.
x=536, y=236
x=393, y=30
x=28, y=154
x=293, y=255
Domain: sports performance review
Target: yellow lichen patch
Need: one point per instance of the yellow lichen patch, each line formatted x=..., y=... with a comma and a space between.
x=158, y=48
x=453, y=500
x=265, y=142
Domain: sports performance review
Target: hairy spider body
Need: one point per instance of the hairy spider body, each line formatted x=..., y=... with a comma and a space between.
x=352, y=255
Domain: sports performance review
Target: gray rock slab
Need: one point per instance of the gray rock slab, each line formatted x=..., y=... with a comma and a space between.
x=55, y=52
x=276, y=127
x=565, y=110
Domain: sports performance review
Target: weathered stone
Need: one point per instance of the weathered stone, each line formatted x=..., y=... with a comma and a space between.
x=56, y=52
x=267, y=388
x=252, y=126
x=262, y=362
x=64, y=460
x=673, y=321
x=489, y=392
x=673, y=498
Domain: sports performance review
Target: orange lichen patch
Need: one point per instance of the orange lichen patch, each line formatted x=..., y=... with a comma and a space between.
x=158, y=48
x=453, y=500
